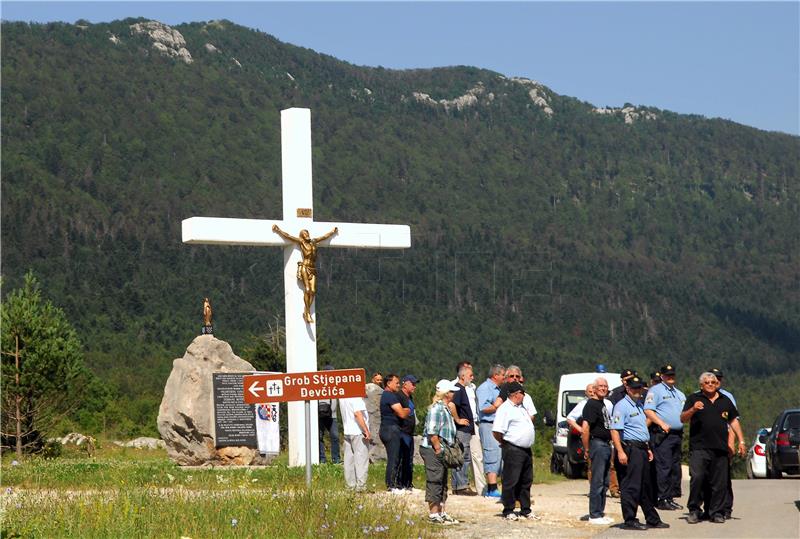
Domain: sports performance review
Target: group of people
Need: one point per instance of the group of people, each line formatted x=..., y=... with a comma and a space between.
x=492, y=423
x=632, y=434
x=638, y=432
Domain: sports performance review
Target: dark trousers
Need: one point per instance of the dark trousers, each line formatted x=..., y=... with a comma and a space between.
x=708, y=471
x=329, y=425
x=600, y=453
x=406, y=468
x=635, y=488
x=517, y=478
x=390, y=436
x=667, y=464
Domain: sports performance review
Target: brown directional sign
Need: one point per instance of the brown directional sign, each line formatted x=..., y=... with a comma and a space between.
x=305, y=386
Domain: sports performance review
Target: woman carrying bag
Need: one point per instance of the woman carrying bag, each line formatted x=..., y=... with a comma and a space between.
x=440, y=429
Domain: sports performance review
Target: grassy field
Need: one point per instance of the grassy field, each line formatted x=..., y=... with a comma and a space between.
x=122, y=492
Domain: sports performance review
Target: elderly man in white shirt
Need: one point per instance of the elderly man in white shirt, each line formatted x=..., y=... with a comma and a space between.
x=513, y=429
x=355, y=423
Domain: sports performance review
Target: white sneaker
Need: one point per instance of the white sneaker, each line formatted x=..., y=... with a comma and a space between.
x=435, y=519
x=531, y=516
x=512, y=517
x=448, y=519
x=398, y=491
x=601, y=521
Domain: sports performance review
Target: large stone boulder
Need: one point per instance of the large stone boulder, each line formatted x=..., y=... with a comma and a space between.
x=186, y=415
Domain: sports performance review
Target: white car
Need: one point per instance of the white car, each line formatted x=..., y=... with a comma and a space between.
x=757, y=458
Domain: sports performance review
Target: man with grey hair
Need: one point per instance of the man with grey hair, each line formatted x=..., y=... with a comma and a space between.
x=709, y=413
x=461, y=410
x=514, y=374
x=487, y=395
x=596, y=440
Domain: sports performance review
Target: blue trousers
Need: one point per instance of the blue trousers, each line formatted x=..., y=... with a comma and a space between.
x=600, y=453
x=330, y=426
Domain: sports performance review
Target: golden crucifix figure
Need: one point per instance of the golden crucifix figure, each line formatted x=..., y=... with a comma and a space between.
x=306, y=269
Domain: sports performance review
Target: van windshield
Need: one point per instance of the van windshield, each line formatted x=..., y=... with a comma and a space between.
x=570, y=399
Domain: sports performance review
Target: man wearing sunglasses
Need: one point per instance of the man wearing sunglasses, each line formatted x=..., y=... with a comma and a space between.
x=709, y=413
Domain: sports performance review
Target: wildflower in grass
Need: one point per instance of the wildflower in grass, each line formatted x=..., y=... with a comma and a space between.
x=234, y=522
x=397, y=518
x=8, y=490
x=14, y=463
x=326, y=506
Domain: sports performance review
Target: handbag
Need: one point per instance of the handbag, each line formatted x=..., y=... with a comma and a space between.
x=453, y=455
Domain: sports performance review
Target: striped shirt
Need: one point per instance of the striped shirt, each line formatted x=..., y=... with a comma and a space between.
x=439, y=423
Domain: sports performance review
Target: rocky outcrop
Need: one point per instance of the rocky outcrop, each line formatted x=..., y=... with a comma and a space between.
x=210, y=48
x=186, y=415
x=536, y=92
x=143, y=442
x=630, y=114
x=469, y=99
x=166, y=39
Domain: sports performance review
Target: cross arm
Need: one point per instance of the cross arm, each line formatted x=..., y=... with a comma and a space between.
x=258, y=232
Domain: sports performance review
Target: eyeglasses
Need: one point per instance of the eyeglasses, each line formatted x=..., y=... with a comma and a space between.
x=513, y=376
x=711, y=382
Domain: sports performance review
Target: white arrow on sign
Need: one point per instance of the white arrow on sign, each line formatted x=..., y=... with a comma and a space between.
x=255, y=389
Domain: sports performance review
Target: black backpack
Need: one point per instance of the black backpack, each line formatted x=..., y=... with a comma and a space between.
x=324, y=409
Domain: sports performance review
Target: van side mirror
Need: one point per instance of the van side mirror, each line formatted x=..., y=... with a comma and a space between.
x=549, y=418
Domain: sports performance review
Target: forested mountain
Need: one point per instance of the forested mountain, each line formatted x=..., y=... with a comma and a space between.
x=546, y=232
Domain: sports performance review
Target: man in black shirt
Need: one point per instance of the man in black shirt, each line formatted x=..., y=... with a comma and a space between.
x=464, y=418
x=596, y=440
x=407, y=426
x=709, y=413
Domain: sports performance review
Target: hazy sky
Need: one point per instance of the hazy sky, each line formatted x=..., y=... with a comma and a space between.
x=734, y=60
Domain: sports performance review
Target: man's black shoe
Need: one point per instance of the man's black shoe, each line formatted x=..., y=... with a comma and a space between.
x=728, y=516
x=664, y=505
x=676, y=506
x=693, y=518
x=661, y=525
x=633, y=525
x=718, y=519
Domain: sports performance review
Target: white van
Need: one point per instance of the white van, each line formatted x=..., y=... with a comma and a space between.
x=567, y=454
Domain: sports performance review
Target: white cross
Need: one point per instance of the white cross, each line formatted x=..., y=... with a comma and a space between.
x=301, y=348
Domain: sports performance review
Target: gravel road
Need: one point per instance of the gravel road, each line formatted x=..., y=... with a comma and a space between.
x=762, y=509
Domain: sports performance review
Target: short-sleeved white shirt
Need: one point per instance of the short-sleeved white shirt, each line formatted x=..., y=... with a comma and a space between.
x=514, y=423
x=527, y=403
x=348, y=408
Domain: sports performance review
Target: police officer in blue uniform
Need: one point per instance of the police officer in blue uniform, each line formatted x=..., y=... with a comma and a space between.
x=631, y=440
x=663, y=406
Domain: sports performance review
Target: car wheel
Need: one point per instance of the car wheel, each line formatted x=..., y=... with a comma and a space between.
x=750, y=470
x=775, y=472
x=555, y=464
x=573, y=471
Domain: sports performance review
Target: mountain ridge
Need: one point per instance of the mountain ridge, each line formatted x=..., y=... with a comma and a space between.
x=548, y=240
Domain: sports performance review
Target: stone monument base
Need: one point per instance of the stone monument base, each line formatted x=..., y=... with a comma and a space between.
x=186, y=415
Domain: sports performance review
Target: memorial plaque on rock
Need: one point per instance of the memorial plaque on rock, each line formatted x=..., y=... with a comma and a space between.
x=234, y=421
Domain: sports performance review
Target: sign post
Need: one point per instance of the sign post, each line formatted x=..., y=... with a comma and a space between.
x=305, y=386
